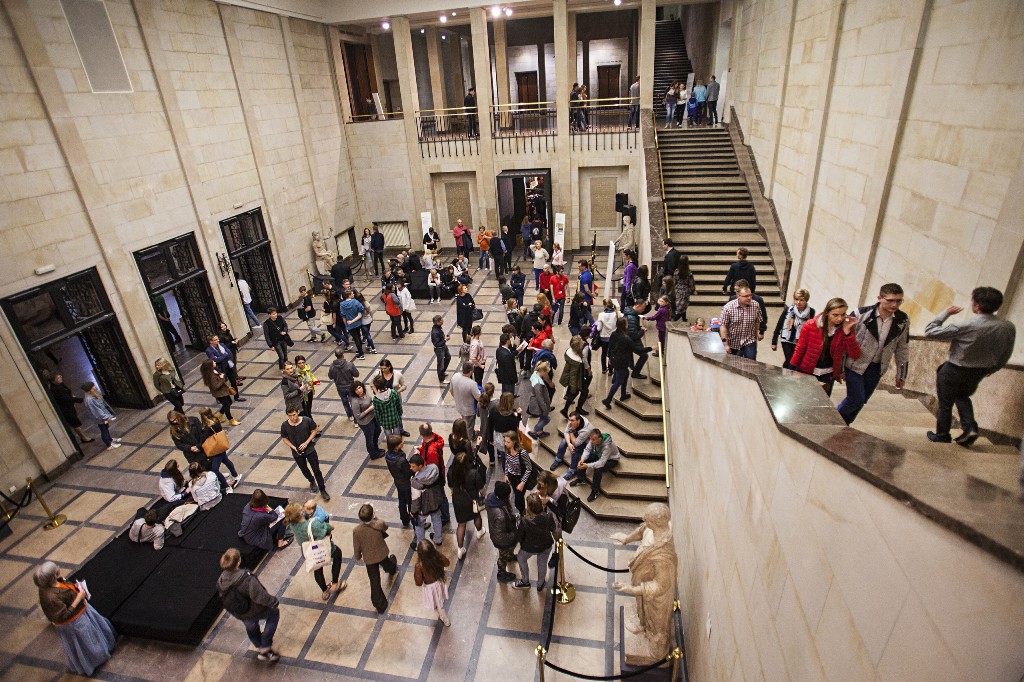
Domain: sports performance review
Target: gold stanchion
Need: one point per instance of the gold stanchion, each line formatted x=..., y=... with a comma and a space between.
x=565, y=592
x=54, y=521
x=675, y=655
x=540, y=661
x=4, y=514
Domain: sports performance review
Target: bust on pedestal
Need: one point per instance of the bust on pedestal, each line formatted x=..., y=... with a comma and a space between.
x=653, y=582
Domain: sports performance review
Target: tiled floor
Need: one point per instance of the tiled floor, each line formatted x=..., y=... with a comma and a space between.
x=494, y=629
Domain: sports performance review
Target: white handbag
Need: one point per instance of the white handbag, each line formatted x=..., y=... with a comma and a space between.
x=317, y=552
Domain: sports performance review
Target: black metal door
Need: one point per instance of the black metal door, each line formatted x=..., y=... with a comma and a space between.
x=195, y=301
x=248, y=245
x=105, y=346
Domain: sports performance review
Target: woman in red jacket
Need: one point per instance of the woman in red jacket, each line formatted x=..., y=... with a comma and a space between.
x=822, y=350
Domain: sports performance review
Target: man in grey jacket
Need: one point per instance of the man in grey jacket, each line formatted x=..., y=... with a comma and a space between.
x=576, y=436
x=342, y=373
x=978, y=347
x=465, y=392
x=245, y=598
x=883, y=332
x=600, y=455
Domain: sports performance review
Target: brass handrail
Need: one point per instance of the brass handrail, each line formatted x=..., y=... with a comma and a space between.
x=428, y=112
x=664, y=416
x=661, y=178
x=519, y=104
x=621, y=100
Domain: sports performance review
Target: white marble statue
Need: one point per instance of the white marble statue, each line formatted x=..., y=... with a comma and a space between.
x=626, y=240
x=653, y=582
x=325, y=259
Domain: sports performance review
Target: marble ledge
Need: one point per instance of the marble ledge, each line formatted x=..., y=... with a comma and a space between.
x=986, y=515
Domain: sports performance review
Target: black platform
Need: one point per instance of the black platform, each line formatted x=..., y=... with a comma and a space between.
x=171, y=594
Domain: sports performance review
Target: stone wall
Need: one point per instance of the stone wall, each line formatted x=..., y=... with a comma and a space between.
x=699, y=26
x=878, y=173
x=804, y=571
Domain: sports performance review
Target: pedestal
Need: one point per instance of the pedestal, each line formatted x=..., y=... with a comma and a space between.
x=635, y=652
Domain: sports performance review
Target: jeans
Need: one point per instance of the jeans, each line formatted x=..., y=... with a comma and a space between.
x=281, y=348
x=215, y=463
x=536, y=277
x=420, y=526
x=619, y=380
x=499, y=264
x=574, y=459
x=634, y=116
x=859, y=388
x=318, y=574
x=177, y=400
x=640, y=362
x=346, y=399
x=265, y=639
x=670, y=113
x=595, y=486
x=357, y=338
x=485, y=260
x=955, y=385
x=559, y=304
x=508, y=388
x=314, y=326
x=542, y=565
x=444, y=358
x=309, y=461
x=408, y=326
x=377, y=596
x=396, y=327
x=369, y=339
x=404, y=504
x=604, y=353
x=250, y=315
x=378, y=260
x=371, y=432
x=435, y=292
x=748, y=351
x=713, y=111
x=105, y=433
x=542, y=421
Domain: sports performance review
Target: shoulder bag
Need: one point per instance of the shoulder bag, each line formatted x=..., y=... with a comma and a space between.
x=216, y=444
x=317, y=552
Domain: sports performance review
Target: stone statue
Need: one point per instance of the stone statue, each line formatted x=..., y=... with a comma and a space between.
x=653, y=582
x=325, y=258
x=626, y=240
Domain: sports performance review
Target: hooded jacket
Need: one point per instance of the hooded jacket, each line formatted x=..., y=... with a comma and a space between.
x=398, y=465
x=342, y=373
x=502, y=522
x=245, y=583
x=427, y=491
x=896, y=344
x=599, y=457
x=572, y=373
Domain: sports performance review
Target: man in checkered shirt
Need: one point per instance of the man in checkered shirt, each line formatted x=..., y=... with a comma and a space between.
x=743, y=324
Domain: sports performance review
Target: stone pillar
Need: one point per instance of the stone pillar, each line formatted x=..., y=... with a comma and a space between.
x=561, y=174
x=570, y=27
x=436, y=73
x=501, y=61
x=487, y=191
x=407, y=86
x=378, y=73
x=648, y=13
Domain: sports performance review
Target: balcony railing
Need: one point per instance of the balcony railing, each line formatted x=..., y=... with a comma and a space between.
x=524, y=127
x=603, y=124
x=386, y=116
x=454, y=131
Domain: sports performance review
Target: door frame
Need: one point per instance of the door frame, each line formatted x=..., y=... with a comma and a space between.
x=536, y=87
x=245, y=245
x=531, y=173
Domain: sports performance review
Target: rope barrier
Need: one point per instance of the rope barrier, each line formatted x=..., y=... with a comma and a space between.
x=7, y=516
x=588, y=561
x=600, y=678
x=551, y=620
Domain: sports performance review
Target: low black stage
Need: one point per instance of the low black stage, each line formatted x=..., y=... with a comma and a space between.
x=170, y=595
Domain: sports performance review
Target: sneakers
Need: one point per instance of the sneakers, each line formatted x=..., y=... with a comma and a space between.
x=626, y=397
x=324, y=496
x=445, y=381
x=271, y=656
x=480, y=533
x=360, y=357
x=313, y=489
x=113, y=446
x=554, y=465
x=578, y=480
x=607, y=404
x=593, y=495
x=967, y=438
x=521, y=585
x=462, y=553
x=939, y=437
x=373, y=351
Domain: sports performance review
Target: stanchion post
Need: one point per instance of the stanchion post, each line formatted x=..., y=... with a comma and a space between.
x=540, y=661
x=565, y=592
x=675, y=655
x=54, y=521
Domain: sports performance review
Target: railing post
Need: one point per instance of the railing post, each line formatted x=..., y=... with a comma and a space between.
x=540, y=661
x=54, y=521
x=565, y=591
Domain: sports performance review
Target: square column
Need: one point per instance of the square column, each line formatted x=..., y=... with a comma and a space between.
x=487, y=191
x=410, y=93
x=501, y=61
x=648, y=23
x=436, y=72
x=561, y=175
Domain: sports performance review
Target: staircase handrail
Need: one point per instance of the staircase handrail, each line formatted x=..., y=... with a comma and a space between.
x=661, y=178
x=664, y=416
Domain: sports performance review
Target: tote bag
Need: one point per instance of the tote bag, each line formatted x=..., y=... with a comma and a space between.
x=317, y=552
x=217, y=444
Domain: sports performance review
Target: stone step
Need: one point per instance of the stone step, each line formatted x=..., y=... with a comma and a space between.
x=629, y=467
x=647, y=391
x=684, y=240
x=628, y=422
x=641, y=409
x=617, y=488
x=605, y=508
x=711, y=253
x=631, y=447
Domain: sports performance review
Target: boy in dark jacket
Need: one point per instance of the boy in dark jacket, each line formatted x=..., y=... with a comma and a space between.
x=503, y=526
x=398, y=465
x=246, y=599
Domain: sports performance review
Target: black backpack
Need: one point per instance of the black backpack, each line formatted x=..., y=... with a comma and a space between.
x=572, y=513
x=235, y=602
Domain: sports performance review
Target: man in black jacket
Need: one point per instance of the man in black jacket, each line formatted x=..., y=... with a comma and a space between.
x=440, y=342
x=505, y=365
x=671, y=260
x=246, y=599
x=341, y=271
x=470, y=103
x=275, y=333
x=377, y=249
x=741, y=269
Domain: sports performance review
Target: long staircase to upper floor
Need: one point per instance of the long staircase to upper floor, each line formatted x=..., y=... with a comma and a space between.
x=670, y=61
x=710, y=211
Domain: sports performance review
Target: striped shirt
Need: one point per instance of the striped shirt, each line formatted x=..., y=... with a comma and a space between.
x=742, y=323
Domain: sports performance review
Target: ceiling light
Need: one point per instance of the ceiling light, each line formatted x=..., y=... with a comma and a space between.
x=423, y=30
x=444, y=37
x=495, y=12
x=454, y=13
x=617, y=3
x=444, y=18
x=508, y=11
x=385, y=25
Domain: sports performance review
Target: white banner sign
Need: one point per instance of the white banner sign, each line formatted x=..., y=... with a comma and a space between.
x=559, y=237
x=426, y=221
x=608, y=272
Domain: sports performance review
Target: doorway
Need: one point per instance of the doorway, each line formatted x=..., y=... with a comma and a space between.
x=361, y=78
x=68, y=326
x=245, y=236
x=526, y=87
x=526, y=195
x=182, y=300
x=608, y=81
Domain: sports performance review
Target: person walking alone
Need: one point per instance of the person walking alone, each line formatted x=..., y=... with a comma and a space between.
x=370, y=547
x=245, y=598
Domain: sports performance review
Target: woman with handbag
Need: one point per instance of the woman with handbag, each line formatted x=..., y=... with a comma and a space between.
x=88, y=639
x=605, y=328
x=219, y=389
x=467, y=477
x=169, y=384
x=464, y=310
x=502, y=418
x=520, y=471
x=215, y=445
x=318, y=548
x=540, y=398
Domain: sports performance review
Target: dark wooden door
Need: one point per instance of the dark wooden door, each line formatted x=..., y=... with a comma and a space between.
x=608, y=81
x=526, y=85
x=362, y=78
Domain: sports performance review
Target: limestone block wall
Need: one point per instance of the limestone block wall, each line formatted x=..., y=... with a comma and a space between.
x=381, y=176
x=878, y=173
x=804, y=571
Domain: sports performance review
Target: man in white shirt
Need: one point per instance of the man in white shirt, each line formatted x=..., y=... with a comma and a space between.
x=246, y=293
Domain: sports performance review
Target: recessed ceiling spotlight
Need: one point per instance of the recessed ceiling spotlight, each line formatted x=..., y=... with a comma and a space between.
x=444, y=37
x=495, y=12
x=617, y=3
x=508, y=11
x=386, y=25
x=454, y=13
x=444, y=18
x=423, y=30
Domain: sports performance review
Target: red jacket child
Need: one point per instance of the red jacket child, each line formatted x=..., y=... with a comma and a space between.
x=808, y=348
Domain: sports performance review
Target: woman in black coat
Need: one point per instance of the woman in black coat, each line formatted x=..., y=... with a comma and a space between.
x=620, y=352
x=187, y=434
x=466, y=478
x=65, y=402
x=464, y=307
